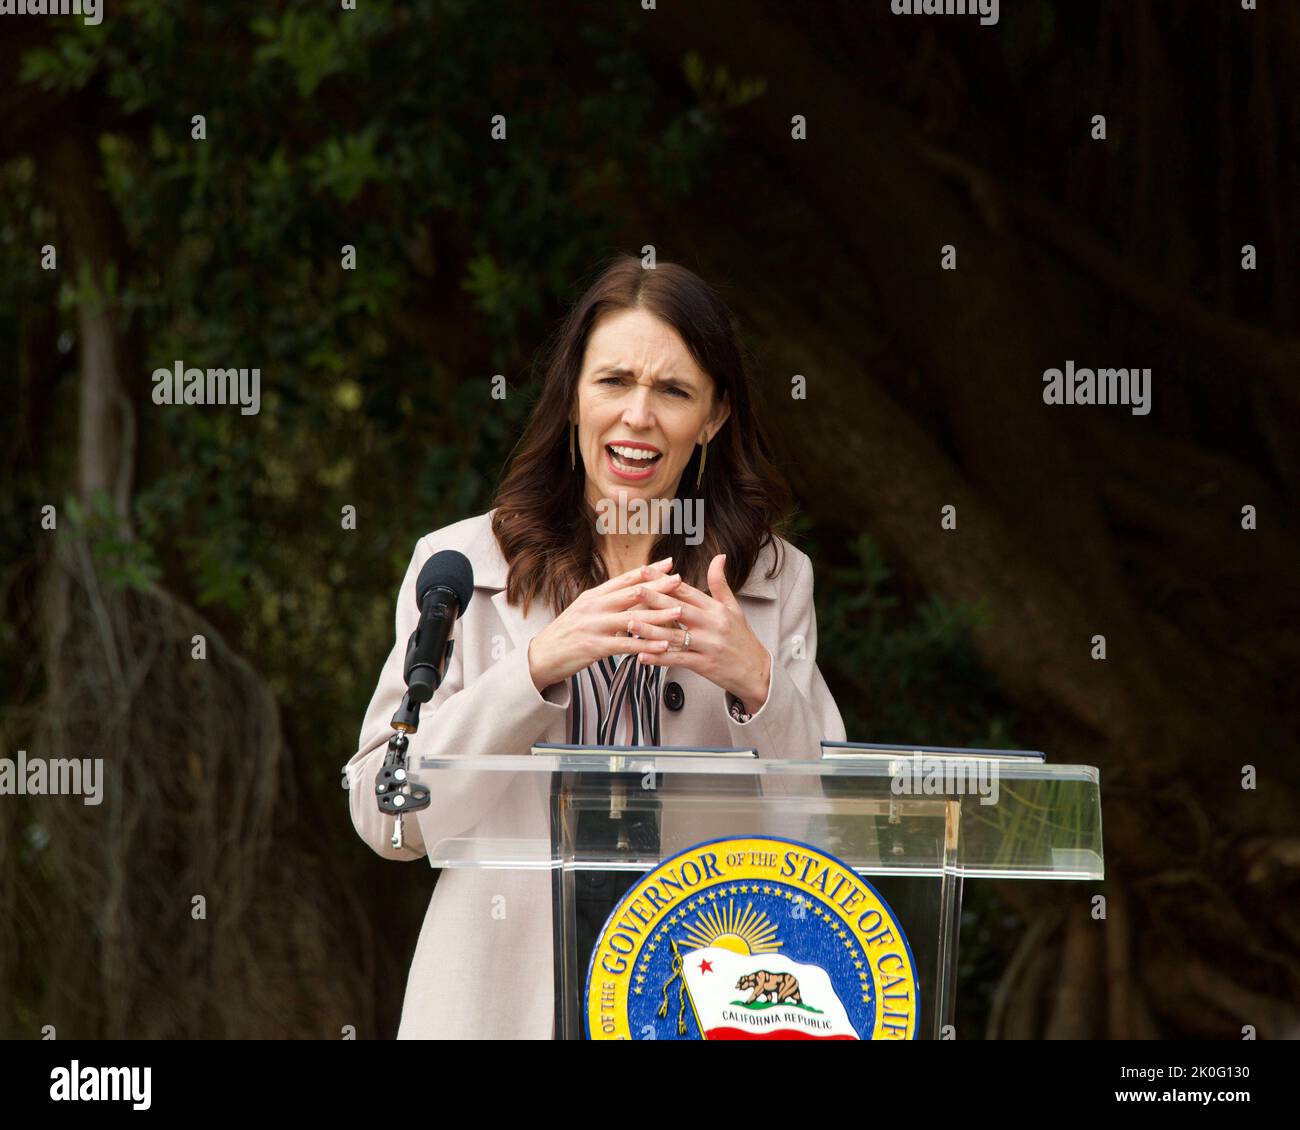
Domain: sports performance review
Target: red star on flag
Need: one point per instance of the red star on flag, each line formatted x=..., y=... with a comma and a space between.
x=706, y=967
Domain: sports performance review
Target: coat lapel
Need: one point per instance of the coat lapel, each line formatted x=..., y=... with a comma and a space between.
x=490, y=583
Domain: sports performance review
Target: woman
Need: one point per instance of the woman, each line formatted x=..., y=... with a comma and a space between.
x=686, y=636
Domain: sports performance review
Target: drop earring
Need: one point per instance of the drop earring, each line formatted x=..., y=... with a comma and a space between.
x=704, y=454
x=573, y=458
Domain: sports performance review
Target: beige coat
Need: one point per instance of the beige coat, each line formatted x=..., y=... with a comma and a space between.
x=483, y=964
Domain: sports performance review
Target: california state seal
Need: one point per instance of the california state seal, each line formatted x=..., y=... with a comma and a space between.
x=752, y=939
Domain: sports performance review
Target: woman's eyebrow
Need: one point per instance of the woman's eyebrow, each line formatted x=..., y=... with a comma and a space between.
x=619, y=371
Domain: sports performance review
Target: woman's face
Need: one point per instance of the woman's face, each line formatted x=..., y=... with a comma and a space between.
x=641, y=391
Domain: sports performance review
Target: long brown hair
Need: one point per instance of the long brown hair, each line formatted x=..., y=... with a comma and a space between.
x=543, y=521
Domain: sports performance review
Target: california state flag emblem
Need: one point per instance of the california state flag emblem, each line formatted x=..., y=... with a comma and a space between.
x=752, y=938
x=761, y=996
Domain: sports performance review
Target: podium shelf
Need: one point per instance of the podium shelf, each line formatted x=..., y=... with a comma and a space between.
x=992, y=819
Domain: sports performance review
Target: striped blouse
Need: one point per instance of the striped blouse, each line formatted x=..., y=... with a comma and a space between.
x=615, y=701
x=634, y=692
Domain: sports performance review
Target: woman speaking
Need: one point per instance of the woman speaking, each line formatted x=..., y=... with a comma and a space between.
x=584, y=632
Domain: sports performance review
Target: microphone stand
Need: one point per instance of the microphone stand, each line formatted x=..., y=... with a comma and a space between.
x=396, y=792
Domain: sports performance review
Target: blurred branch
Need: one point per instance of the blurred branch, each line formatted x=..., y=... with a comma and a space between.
x=1265, y=355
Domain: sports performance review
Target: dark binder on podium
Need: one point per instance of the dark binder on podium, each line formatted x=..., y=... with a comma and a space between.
x=560, y=749
x=894, y=752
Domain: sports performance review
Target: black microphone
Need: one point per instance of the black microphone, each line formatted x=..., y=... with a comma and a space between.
x=442, y=591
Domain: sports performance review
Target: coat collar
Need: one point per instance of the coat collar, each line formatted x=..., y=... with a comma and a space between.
x=490, y=577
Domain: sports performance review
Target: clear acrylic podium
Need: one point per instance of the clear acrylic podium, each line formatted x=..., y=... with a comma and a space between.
x=612, y=819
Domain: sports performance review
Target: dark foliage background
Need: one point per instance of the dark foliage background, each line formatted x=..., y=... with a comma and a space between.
x=626, y=128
